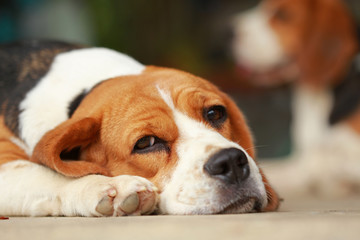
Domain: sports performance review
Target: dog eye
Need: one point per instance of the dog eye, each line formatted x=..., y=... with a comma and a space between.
x=215, y=115
x=145, y=142
x=149, y=144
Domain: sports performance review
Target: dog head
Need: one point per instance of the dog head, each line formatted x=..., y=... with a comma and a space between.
x=309, y=40
x=175, y=129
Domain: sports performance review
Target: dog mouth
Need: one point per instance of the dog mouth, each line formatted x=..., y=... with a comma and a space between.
x=247, y=205
x=277, y=75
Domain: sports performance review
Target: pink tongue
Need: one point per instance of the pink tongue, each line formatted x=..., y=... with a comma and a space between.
x=257, y=78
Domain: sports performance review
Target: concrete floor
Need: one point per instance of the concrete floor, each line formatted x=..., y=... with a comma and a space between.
x=297, y=219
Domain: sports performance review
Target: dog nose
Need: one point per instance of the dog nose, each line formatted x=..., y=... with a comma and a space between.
x=229, y=165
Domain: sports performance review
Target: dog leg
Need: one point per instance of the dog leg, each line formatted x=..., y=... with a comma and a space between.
x=33, y=190
x=110, y=196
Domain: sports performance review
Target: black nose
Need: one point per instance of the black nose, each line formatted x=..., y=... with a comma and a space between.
x=230, y=165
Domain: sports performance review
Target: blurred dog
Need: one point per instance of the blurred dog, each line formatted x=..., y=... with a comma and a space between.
x=313, y=43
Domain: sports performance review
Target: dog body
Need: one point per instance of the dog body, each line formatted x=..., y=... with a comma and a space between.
x=313, y=42
x=92, y=132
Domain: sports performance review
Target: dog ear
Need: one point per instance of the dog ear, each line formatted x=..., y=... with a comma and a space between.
x=241, y=134
x=330, y=44
x=272, y=197
x=68, y=136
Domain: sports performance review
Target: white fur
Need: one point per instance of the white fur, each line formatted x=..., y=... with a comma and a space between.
x=334, y=164
x=190, y=190
x=30, y=189
x=311, y=110
x=256, y=45
x=45, y=106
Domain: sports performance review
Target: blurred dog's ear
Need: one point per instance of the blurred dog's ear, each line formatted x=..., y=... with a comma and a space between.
x=330, y=44
x=66, y=137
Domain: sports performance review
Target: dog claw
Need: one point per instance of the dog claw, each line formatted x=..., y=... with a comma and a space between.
x=131, y=196
x=149, y=199
x=105, y=206
x=130, y=204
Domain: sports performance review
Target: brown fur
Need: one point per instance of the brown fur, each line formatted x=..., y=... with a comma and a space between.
x=354, y=121
x=9, y=151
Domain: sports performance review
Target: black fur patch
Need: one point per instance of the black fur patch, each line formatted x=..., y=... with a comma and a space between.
x=78, y=99
x=22, y=65
x=76, y=102
x=346, y=96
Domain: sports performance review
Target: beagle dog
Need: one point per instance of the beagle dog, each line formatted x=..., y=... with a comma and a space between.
x=315, y=44
x=92, y=132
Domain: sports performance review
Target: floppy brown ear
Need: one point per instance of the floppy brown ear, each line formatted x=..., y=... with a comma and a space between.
x=65, y=137
x=329, y=45
x=241, y=135
x=272, y=197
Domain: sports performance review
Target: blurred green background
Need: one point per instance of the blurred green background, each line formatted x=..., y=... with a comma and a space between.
x=192, y=35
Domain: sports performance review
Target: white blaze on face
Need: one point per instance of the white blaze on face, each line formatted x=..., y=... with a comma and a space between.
x=190, y=190
x=256, y=45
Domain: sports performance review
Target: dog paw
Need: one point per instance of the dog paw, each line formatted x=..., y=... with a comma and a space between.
x=127, y=195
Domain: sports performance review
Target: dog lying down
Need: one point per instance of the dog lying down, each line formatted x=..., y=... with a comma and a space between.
x=92, y=132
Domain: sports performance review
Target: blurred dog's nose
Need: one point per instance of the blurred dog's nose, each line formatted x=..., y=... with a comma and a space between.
x=229, y=165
